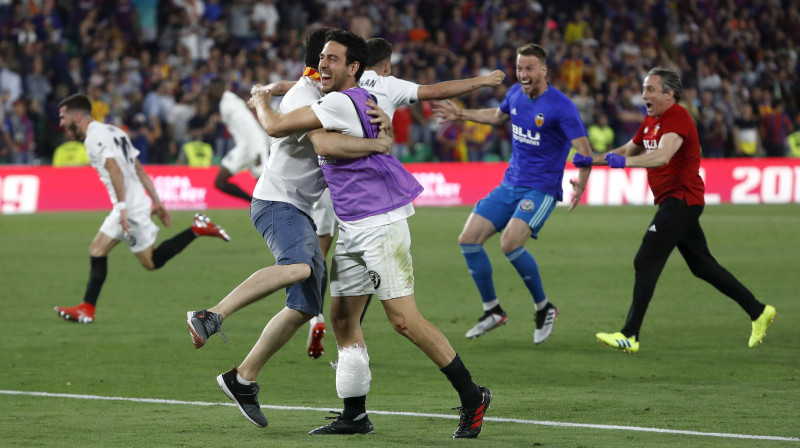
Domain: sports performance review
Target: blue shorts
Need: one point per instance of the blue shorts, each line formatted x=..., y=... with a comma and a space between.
x=506, y=202
x=292, y=239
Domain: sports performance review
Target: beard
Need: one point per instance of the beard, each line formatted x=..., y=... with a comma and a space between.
x=75, y=131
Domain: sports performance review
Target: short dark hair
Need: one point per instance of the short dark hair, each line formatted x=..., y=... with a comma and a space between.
x=379, y=50
x=313, y=45
x=77, y=102
x=670, y=80
x=533, y=50
x=356, y=48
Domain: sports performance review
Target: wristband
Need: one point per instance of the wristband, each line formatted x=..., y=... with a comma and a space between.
x=121, y=205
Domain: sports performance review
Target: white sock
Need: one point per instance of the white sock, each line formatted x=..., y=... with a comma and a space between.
x=242, y=380
x=489, y=305
x=540, y=305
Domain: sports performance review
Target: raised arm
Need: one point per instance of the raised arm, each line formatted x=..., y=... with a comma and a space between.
x=669, y=144
x=276, y=124
x=451, y=89
x=449, y=110
x=339, y=146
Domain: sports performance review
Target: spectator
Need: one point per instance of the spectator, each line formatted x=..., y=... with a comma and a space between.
x=10, y=81
x=746, y=134
x=18, y=135
x=601, y=135
x=775, y=127
x=716, y=137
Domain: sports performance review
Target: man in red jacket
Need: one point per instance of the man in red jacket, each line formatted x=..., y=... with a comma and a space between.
x=667, y=145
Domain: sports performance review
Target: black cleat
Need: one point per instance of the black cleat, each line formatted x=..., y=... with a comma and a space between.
x=470, y=420
x=339, y=425
x=245, y=397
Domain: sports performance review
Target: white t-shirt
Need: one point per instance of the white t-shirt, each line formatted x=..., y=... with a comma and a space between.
x=337, y=113
x=390, y=92
x=104, y=141
x=292, y=174
x=251, y=139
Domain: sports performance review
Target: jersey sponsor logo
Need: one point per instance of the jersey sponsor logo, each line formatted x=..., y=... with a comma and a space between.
x=374, y=278
x=525, y=135
x=650, y=145
x=539, y=119
x=526, y=205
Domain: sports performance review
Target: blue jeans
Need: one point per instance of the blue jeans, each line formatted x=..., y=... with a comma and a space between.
x=292, y=238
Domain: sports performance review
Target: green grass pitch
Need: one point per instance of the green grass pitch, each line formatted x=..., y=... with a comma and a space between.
x=693, y=373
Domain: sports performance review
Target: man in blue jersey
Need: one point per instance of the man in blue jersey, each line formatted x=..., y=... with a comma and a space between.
x=545, y=124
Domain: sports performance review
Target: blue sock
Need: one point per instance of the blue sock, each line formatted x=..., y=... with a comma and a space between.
x=481, y=270
x=529, y=271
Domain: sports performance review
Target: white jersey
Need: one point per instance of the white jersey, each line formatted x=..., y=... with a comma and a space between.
x=252, y=142
x=103, y=142
x=390, y=92
x=292, y=174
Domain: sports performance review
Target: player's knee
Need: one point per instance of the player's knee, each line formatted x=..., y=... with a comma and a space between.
x=298, y=272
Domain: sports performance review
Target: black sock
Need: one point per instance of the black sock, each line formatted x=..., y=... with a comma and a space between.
x=97, y=276
x=497, y=309
x=234, y=190
x=172, y=247
x=461, y=380
x=354, y=406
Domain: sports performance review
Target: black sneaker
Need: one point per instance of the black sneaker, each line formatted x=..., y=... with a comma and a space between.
x=341, y=426
x=470, y=420
x=545, y=318
x=202, y=324
x=245, y=397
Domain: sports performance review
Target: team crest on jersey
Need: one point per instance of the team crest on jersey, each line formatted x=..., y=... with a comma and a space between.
x=374, y=278
x=658, y=127
x=539, y=119
x=526, y=205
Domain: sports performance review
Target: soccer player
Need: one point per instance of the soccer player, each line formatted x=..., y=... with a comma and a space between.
x=372, y=198
x=390, y=93
x=114, y=158
x=252, y=143
x=545, y=125
x=281, y=212
x=667, y=145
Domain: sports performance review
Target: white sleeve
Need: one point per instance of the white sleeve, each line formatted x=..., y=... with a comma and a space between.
x=336, y=112
x=401, y=91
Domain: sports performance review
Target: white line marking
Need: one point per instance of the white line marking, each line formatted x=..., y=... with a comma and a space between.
x=412, y=414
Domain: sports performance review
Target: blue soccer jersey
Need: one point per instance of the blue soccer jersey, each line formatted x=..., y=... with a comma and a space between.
x=542, y=132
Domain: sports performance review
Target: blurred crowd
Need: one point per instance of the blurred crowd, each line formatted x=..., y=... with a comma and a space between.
x=145, y=64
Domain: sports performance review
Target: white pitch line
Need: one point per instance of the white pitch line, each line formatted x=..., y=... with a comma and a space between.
x=413, y=414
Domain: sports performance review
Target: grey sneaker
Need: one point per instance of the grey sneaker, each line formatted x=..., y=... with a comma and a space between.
x=245, y=397
x=489, y=321
x=545, y=318
x=360, y=425
x=202, y=324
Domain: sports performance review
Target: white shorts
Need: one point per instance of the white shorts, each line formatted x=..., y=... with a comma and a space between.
x=373, y=261
x=250, y=157
x=324, y=216
x=142, y=234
